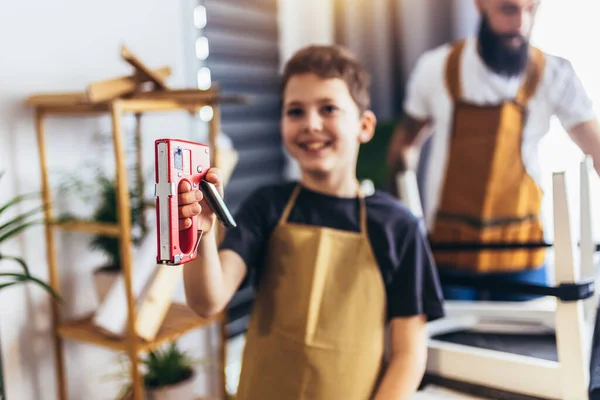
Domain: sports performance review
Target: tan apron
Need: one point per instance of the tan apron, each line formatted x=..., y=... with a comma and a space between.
x=318, y=325
x=488, y=196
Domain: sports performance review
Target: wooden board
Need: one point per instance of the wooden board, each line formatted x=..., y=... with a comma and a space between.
x=90, y=227
x=112, y=88
x=128, y=56
x=179, y=320
x=56, y=99
x=192, y=96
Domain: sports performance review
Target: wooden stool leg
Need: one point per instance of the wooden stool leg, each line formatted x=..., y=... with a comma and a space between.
x=570, y=321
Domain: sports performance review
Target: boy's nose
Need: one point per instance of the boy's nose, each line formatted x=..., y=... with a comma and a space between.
x=313, y=122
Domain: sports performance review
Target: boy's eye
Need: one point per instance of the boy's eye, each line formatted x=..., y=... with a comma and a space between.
x=329, y=109
x=294, y=112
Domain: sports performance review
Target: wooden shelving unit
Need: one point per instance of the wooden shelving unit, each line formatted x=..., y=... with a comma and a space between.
x=117, y=97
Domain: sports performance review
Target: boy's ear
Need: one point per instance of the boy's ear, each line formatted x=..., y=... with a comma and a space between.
x=368, y=121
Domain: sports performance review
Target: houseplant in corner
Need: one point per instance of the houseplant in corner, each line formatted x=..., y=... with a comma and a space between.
x=95, y=188
x=107, y=212
x=9, y=228
x=168, y=374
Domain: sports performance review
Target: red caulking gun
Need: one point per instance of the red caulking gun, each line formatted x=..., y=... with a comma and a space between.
x=177, y=161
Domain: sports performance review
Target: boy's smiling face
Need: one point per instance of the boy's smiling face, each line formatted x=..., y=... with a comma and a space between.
x=322, y=127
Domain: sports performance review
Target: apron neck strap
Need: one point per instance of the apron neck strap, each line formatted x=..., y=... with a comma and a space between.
x=535, y=68
x=290, y=204
x=361, y=199
x=453, y=81
x=363, y=213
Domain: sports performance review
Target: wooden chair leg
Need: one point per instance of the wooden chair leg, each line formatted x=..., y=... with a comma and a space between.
x=571, y=338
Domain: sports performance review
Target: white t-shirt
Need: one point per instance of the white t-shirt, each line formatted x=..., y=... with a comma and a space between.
x=559, y=93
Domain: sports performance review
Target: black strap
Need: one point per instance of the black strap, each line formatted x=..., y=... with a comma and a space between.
x=465, y=246
x=565, y=291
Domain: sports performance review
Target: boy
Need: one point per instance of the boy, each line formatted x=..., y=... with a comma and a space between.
x=332, y=268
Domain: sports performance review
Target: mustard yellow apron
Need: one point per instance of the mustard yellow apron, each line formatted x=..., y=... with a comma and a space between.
x=488, y=196
x=317, y=330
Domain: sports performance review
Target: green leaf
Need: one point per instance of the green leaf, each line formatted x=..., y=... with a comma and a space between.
x=18, y=260
x=18, y=200
x=21, y=218
x=167, y=366
x=2, y=286
x=18, y=229
x=29, y=278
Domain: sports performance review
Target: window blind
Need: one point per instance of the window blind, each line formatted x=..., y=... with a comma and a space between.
x=237, y=45
x=243, y=57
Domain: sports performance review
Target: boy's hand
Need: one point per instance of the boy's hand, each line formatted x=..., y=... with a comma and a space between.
x=192, y=203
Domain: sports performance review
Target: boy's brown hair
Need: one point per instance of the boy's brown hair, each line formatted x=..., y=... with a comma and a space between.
x=332, y=62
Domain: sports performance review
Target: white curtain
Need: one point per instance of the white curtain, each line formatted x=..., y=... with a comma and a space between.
x=388, y=36
x=570, y=30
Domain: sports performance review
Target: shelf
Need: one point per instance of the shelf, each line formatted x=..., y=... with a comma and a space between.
x=179, y=320
x=163, y=100
x=91, y=227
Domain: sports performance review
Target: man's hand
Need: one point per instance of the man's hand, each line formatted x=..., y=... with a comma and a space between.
x=404, y=148
x=587, y=136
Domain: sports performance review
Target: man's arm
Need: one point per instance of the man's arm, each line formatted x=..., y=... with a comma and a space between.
x=587, y=136
x=405, y=145
x=408, y=359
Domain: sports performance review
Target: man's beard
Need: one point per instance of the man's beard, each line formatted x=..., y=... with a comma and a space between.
x=497, y=55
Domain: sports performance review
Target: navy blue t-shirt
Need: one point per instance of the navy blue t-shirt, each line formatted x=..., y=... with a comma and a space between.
x=395, y=234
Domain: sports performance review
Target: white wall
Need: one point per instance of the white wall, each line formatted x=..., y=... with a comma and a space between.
x=465, y=18
x=304, y=22
x=63, y=45
x=578, y=32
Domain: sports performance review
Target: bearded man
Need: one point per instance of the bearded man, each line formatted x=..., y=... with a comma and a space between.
x=485, y=102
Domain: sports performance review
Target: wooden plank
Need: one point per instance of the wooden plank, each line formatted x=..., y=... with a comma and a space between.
x=176, y=93
x=192, y=96
x=141, y=105
x=128, y=56
x=495, y=369
x=179, y=320
x=571, y=338
x=56, y=99
x=116, y=87
x=75, y=109
x=91, y=227
x=96, y=92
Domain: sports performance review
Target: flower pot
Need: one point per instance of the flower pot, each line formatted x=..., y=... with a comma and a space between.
x=103, y=280
x=180, y=391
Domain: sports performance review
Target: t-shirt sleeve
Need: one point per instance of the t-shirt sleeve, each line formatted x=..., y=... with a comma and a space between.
x=421, y=85
x=572, y=104
x=249, y=237
x=415, y=288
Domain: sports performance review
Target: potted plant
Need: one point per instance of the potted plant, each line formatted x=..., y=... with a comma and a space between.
x=9, y=228
x=168, y=374
x=107, y=212
x=101, y=191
